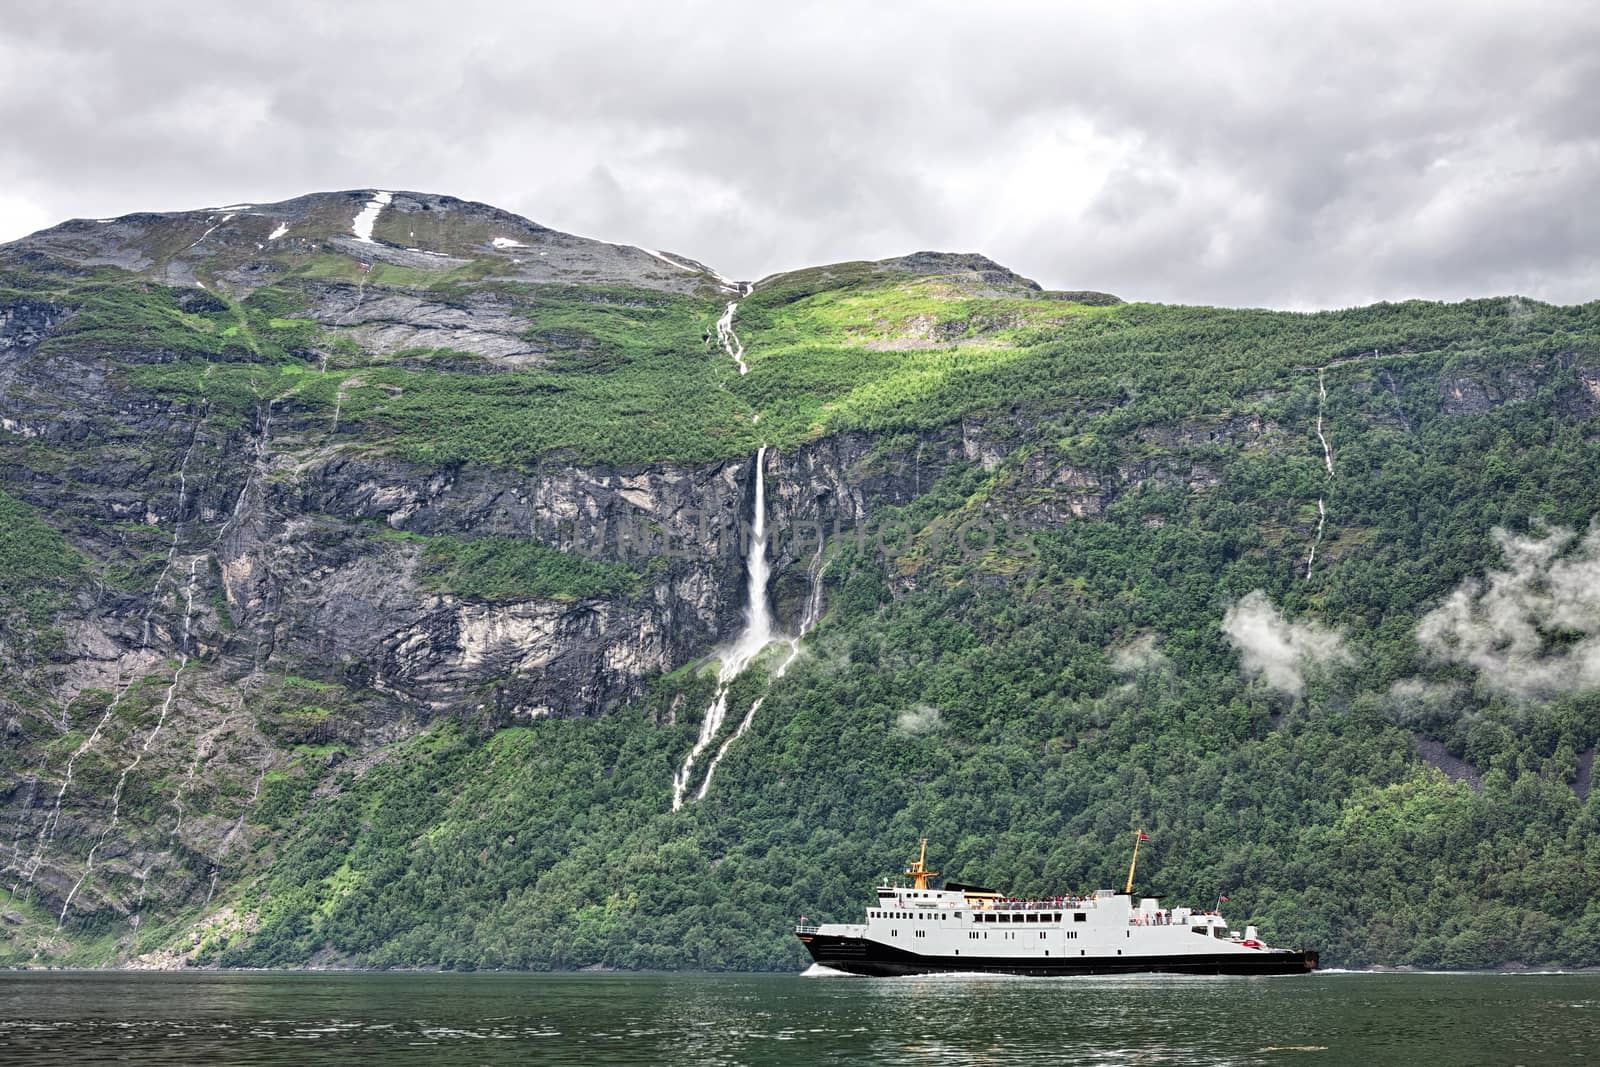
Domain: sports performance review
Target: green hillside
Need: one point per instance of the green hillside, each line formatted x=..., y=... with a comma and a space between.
x=1289, y=591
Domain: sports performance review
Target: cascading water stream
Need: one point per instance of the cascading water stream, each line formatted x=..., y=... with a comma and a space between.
x=177, y=526
x=161, y=719
x=1322, y=404
x=812, y=612
x=17, y=863
x=1327, y=459
x=48, y=827
x=755, y=636
x=730, y=340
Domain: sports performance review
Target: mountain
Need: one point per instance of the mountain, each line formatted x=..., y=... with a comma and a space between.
x=389, y=580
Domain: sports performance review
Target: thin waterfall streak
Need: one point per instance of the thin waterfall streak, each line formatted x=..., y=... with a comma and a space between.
x=755, y=636
x=150, y=738
x=47, y=829
x=187, y=786
x=1327, y=461
x=238, y=824
x=813, y=611
x=177, y=528
x=1322, y=403
x=16, y=864
x=1322, y=518
x=708, y=730
x=257, y=463
x=744, y=724
x=138, y=905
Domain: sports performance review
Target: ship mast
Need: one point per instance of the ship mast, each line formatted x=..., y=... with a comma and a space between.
x=919, y=870
x=1138, y=836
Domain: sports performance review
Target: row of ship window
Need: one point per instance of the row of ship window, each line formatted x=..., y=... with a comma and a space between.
x=974, y=935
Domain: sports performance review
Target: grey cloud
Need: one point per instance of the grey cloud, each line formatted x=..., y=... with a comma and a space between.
x=1531, y=630
x=1229, y=154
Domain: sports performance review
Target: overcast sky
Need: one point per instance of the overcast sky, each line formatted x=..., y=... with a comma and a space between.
x=1245, y=154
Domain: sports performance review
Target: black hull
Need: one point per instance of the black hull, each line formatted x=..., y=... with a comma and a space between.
x=860, y=956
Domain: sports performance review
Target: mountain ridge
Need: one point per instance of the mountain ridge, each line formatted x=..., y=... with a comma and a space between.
x=320, y=217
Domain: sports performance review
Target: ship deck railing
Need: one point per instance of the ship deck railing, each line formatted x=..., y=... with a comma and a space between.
x=1061, y=904
x=806, y=928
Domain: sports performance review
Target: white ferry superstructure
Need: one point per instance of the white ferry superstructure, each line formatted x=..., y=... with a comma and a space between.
x=914, y=929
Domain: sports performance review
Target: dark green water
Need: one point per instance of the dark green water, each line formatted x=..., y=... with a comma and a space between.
x=210, y=1019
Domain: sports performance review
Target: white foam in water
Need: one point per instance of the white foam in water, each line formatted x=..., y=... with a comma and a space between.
x=817, y=970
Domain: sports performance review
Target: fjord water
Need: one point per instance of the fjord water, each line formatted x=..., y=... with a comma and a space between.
x=215, y=1019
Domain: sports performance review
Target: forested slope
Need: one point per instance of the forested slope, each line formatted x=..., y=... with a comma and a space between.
x=362, y=602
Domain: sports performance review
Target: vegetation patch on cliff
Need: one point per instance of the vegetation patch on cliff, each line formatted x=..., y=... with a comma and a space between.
x=514, y=568
x=36, y=562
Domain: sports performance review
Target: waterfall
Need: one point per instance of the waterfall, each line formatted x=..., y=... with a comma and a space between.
x=730, y=340
x=755, y=636
x=177, y=526
x=813, y=611
x=150, y=738
x=47, y=829
x=1327, y=460
x=1322, y=403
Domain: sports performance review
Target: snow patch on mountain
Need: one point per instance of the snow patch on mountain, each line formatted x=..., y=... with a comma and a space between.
x=362, y=225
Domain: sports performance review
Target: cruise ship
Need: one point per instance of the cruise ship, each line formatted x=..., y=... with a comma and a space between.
x=915, y=929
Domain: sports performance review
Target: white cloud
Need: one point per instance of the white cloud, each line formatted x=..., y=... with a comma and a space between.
x=1279, y=652
x=1533, y=629
x=922, y=719
x=1420, y=702
x=1138, y=656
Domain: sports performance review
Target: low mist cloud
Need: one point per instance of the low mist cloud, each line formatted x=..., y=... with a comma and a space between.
x=922, y=719
x=1419, y=702
x=1279, y=652
x=1533, y=629
x=1138, y=656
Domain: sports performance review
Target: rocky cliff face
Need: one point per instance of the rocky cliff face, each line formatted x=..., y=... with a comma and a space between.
x=256, y=577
